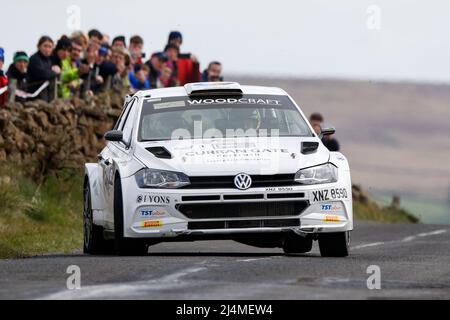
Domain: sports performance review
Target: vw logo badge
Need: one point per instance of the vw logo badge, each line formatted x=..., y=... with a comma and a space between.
x=242, y=181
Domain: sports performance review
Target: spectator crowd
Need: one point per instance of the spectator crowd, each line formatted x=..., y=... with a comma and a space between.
x=85, y=64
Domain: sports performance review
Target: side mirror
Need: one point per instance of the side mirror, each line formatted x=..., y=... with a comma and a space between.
x=327, y=131
x=114, y=135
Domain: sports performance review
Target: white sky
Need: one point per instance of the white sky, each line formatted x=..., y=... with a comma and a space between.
x=313, y=38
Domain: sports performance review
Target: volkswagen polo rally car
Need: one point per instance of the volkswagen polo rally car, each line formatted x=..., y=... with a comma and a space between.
x=216, y=161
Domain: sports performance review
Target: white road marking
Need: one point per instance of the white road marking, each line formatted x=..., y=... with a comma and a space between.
x=367, y=245
x=250, y=260
x=127, y=289
x=425, y=234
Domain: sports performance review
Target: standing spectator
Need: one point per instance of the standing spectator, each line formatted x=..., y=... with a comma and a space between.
x=122, y=61
x=89, y=72
x=3, y=80
x=187, y=65
x=119, y=41
x=107, y=69
x=40, y=69
x=135, y=48
x=18, y=71
x=172, y=63
x=316, y=120
x=213, y=73
x=155, y=65
x=70, y=79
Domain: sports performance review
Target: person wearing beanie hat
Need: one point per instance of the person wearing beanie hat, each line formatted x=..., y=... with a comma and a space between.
x=3, y=80
x=18, y=71
x=175, y=38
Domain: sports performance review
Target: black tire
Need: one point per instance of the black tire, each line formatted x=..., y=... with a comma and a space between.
x=94, y=242
x=124, y=246
x=297, y=244
x=334, y=244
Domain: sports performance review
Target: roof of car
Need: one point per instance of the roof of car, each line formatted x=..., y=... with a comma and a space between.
x=181, y=91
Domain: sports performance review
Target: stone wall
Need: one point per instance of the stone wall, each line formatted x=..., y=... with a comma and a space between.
x=63, y=133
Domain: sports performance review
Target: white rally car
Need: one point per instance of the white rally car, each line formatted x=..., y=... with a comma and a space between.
x=216, y=161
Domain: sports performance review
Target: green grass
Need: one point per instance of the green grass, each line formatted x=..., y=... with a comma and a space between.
x=373, y=212
x=427, y=210
x=37, y=219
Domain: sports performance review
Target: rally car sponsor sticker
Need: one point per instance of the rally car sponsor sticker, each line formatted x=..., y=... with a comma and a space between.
x=332, y=218
x=152, y=213
x=151, y=223
x=142, y=198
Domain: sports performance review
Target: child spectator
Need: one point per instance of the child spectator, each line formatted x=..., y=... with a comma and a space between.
x=18, y=71
x=3, y=80
x=61, y=51
x=40, y=69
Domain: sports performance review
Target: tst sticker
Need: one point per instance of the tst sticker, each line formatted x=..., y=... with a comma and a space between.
x=329, y=194
x=152, y=213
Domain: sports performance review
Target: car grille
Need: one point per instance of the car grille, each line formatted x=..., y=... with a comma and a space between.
x=236, y=224
x=219, y=182
x=241, y=210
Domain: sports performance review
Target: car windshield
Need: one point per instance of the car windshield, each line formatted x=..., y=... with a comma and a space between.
x=215, y=117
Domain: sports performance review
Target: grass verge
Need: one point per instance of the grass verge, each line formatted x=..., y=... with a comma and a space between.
x=40, y=218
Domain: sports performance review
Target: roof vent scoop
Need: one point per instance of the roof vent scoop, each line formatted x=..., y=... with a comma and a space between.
x=160, y=152
x=309, y=147
x=213, y=88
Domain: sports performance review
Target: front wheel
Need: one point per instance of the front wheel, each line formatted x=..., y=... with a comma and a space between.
x=336, y=244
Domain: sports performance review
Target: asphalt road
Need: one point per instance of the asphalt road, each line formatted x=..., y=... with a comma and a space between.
x=414, y=262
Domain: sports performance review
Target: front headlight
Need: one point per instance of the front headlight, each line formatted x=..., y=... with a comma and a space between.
x=152, y=178
x=325, y=173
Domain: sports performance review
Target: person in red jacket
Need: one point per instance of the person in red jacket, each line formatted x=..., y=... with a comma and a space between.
x=3, y=81
x=186, y=64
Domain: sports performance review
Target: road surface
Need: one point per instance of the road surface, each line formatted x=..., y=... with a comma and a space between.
x=414, y=262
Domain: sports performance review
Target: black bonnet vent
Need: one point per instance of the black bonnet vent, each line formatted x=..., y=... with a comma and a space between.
x=309, y=147
x=160, y=152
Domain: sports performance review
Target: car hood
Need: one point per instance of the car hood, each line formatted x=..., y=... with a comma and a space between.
x=230, y=156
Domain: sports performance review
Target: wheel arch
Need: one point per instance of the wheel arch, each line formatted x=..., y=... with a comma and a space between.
x=93, y=177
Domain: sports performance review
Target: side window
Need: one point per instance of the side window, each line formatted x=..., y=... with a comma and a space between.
x=129, y=121
x=123, y=115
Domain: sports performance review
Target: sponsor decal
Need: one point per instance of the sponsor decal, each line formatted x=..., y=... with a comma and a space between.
x=250, y=151
x=266, y=102
x=330, y=207
x=152, y=199
x=332, y=218
x=152, y=213
x=151, y=224
x=330, y=194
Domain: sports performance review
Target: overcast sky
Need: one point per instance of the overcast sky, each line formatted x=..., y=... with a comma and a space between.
x=390, y=39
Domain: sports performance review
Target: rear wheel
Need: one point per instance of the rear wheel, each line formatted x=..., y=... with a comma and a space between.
x=334, y=244
x=94, y=242
x=124, y=246
x=297, y=244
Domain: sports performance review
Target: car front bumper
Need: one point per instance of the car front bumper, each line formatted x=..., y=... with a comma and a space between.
x=163, y=213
